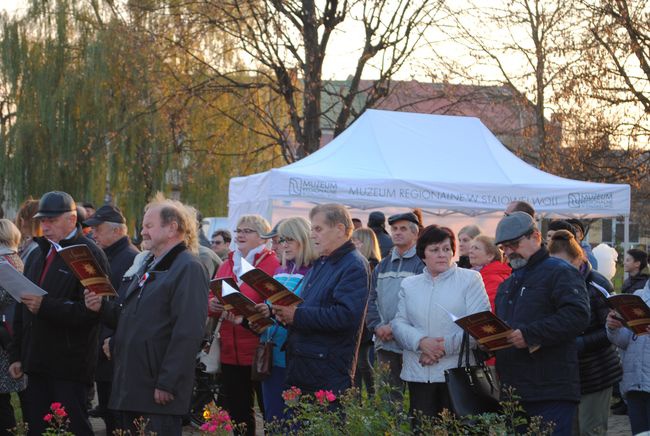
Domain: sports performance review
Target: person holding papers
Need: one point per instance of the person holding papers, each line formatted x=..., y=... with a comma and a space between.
x=600, y=367
x=297, y=257
x=424, y=326
x=55, y=335
x=635, y=385
x=238, y=344
x=9, y=240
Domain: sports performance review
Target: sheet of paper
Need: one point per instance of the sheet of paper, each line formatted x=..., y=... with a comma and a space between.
x=451, y=315
x=226, y=289
x=14, y=282
x=245, y=266
x=600, y=288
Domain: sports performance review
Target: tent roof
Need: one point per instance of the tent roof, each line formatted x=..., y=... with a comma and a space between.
x=439, y=163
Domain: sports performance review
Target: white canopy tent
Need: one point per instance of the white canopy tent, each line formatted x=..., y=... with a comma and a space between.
x=449, y=166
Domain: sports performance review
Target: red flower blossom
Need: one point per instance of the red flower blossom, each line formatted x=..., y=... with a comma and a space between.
x=48, y=417
x=60, y=412
x=55, y=406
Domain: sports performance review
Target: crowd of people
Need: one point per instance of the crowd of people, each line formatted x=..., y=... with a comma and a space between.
x=368, y=294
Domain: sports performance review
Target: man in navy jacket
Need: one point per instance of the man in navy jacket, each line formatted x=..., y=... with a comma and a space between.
x=324, y=330
x=546, y=303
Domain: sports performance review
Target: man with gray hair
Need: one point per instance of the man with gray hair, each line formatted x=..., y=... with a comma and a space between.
x=386, y=280
x=111, y=234
x=324, y=329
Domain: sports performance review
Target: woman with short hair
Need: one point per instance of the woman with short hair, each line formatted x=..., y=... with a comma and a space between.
x=600, y=368
x=486, y=258
x=423, y=326
x=238, y=344
x=465, y=236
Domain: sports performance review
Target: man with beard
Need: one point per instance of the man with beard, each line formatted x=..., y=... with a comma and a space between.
x=547, y=305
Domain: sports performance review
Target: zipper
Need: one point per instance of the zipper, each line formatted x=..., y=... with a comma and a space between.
x=429, y=328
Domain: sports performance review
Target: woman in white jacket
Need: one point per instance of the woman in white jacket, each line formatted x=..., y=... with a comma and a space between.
x=423, y=326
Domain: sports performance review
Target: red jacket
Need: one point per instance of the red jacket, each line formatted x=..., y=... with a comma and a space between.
x=493, y=274
x=237, y=343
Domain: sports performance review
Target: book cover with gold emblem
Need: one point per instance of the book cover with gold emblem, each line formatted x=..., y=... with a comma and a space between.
x=85, y=267
x=268, y=287
x=239, y=304
x=488, y=329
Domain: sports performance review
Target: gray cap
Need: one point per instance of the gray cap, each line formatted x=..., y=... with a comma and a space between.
x=273, y=233
x=514, y=226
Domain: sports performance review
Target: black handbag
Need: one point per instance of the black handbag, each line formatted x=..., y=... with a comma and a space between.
x=472, y=390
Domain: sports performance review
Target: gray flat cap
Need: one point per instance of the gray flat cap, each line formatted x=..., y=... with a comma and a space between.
x=514, y=226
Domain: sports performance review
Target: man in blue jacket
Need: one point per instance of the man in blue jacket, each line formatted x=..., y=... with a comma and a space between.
x=324, y=330
x=547, y=305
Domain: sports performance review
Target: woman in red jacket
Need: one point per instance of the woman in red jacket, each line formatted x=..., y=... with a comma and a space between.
x=238, y=343
x=486, y=258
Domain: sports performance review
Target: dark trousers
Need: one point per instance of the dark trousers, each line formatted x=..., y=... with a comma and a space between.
x=429, y=398
x=161, y=425
x=559, y=412
x=364, y=368
x=638, y=410
x=238, y=392
x=394, y=362
x=7, y=417
x=103, y=395
x=43, y=391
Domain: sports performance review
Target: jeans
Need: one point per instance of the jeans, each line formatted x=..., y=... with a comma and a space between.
x=638, y=410
x=560, y=413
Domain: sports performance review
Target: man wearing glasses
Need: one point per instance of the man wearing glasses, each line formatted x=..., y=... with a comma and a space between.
x=547, y=305
x=220, y=243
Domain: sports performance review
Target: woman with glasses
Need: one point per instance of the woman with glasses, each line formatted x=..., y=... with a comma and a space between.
x=298, y=253
x=238, y=343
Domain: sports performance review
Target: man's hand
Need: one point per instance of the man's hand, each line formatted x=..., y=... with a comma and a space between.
x=284, y=314
x=613, y=320
x=384, y=332
x=16, y=370
x=162, y=397
x=106, y=348
x=263, y=308
x=517, y=339
x=215, y=306
x=92, y=300
x=33, y=302
x=433, y=348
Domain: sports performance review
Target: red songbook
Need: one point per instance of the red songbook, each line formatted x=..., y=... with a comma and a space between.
x=268, y=287
x=487, y=328
x=85, y=267
x=635, y=313
x=239, y=304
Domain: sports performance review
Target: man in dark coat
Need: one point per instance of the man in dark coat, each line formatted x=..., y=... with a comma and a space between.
x=55, y=340
x=546, y=303
x=160, y=323
x=111, y=234
x=324, y=329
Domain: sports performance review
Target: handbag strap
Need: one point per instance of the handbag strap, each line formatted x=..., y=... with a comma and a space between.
x=464, y=351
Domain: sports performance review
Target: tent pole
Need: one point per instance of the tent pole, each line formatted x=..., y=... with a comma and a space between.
x=626, y=233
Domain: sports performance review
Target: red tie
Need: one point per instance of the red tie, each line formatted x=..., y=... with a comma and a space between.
x=48, y=262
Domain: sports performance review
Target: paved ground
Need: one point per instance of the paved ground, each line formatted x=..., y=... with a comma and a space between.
x=619, y=425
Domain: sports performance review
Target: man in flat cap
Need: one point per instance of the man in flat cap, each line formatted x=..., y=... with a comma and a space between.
x=387, y=278
x=55, y=335
x=111, y=234
x=547, y=305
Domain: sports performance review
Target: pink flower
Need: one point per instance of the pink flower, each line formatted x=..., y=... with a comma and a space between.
x=324, y=395
x=55, y=406
x=48, y=417
x=60, y=412
x=291, y=394
x=330, y=396
x=213, y=428
x=320, y=396
x=228, y=427
x=205, y=427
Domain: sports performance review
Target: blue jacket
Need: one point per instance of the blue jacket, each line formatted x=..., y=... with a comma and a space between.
x=323, y=339
x=548, y=301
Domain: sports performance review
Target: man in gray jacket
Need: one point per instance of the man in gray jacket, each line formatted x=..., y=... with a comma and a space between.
x=159, y=324
x=387, y=277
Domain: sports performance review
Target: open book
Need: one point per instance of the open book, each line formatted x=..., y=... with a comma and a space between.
x=634, y=312
x=237, y=303
x=268, y=287
x=16, y=284
x=85, y=267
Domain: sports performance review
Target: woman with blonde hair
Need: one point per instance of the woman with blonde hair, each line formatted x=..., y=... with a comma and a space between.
x=298, y=254
x=366, y=242
x=600, y=367
x=486, y=258
x=465, y=236
x=9, y=240
x=29, y=227
x=238, y=343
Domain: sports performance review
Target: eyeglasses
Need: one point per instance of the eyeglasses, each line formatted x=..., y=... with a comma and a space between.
x=245, y=231
x=512, y=245
x=286, y=240
x=215, y=242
